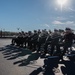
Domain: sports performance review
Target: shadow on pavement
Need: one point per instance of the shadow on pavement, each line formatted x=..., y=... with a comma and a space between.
x=37, y=71
x=50, y=66
x=33, y=57
x=11, y=52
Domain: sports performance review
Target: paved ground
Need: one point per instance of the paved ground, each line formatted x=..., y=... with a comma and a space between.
x=21, y=61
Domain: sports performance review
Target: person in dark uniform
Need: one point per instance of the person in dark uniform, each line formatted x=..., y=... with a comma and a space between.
x=18, y=39
x=47, y=42
x=68, y=40
x=25, y=39
x=41, y=39
x=55, y=42
x=34, y=40
x=30, y=34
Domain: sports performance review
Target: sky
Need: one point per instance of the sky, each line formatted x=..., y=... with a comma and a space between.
x=36, y=14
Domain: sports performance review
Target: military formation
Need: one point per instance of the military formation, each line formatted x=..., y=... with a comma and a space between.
x=55, y=43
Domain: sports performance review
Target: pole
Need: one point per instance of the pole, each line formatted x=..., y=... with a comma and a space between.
x=1, y=33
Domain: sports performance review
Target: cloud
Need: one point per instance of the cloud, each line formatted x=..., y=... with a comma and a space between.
x=70, y=22
x=57, y=22
x=47, y=25
x=63, y=23
x=71, y=9
x=61, y=18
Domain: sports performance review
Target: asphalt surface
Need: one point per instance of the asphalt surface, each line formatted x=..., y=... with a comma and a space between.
x=21, y=61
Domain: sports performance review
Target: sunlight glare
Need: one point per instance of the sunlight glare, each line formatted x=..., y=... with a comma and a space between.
x=62, y=2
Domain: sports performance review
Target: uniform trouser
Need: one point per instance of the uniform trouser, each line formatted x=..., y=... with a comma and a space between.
x=25, y=41
x=53, y=48
x=13, y=41
x=17, y=41
x=39, y=44
x=29, y=42
x=33, y=44
x=66, y=45
x=45, y=47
